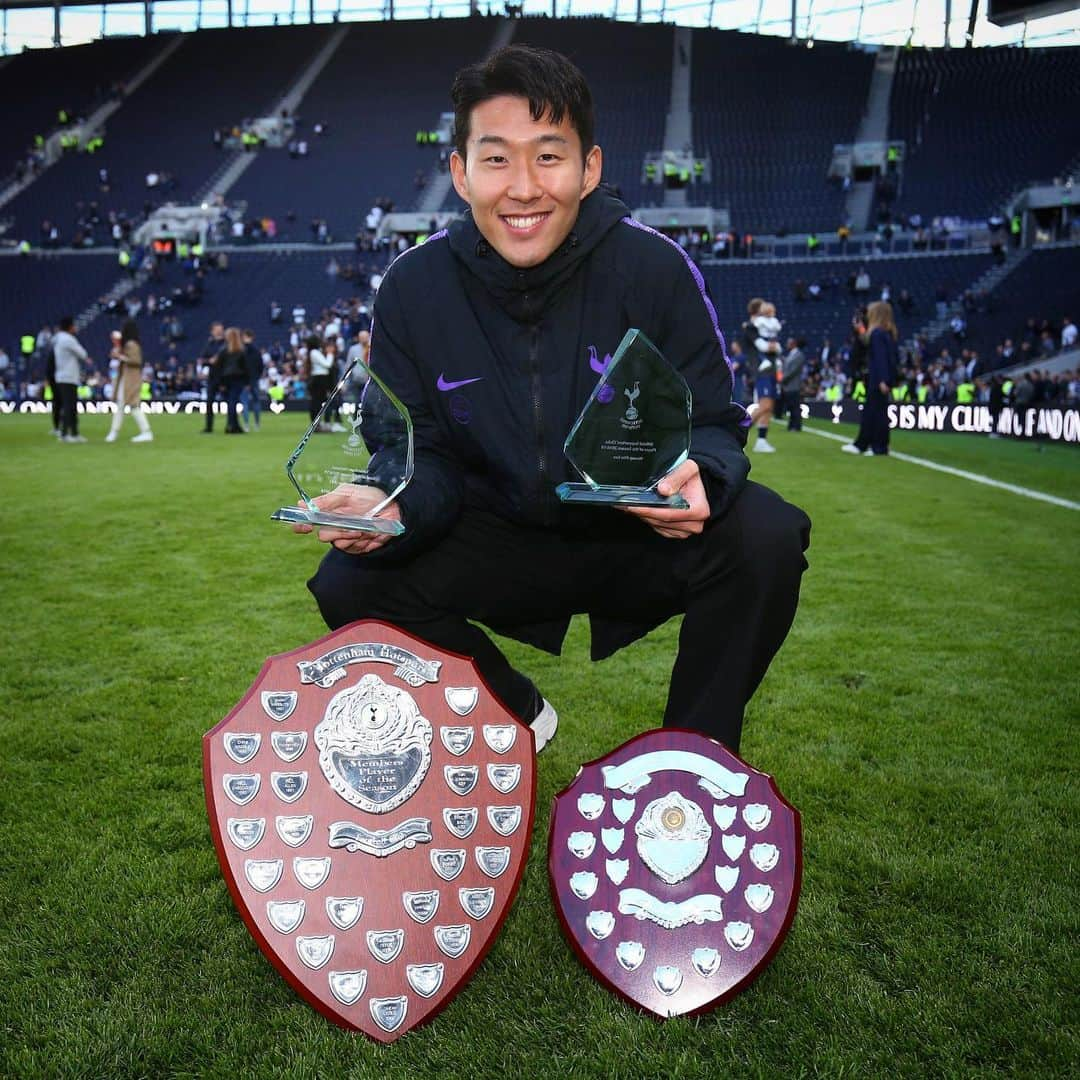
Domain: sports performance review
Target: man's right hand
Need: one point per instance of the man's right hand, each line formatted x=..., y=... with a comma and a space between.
x=352, y=500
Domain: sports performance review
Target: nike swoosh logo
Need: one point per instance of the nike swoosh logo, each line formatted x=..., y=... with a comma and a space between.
x=445, y=386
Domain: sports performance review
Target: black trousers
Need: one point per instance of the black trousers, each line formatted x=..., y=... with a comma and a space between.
x=792, y=400
x=737, y=585
x=67, y=395
x=214, y=387
x=874, y=424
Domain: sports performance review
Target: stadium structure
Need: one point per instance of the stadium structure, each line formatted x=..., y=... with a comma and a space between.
x=266, y=174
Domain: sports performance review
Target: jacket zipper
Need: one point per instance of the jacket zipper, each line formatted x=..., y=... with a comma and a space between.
x=538, y=417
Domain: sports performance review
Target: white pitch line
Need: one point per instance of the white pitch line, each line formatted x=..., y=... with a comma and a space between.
x=977, y=478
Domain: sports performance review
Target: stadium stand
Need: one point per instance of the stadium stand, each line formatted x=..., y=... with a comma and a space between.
x=1026, y=104
x=769, y=114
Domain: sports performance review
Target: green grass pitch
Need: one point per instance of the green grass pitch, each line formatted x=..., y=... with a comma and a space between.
x=922, y=716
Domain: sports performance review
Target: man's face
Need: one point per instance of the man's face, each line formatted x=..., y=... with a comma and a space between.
x=523, y=178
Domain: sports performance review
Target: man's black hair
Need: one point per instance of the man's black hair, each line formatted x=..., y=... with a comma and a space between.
x=129, y=331
x=553, y=86
x=66, y=322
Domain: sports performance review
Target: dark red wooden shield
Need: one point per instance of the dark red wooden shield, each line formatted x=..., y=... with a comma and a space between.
x=675, y=868
x=372, y=802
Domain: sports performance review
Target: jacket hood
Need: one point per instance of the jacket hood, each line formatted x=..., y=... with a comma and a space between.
x=524, y=293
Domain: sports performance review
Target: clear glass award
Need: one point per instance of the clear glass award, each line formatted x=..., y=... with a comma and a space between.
x=371, y=450
x=634, y=429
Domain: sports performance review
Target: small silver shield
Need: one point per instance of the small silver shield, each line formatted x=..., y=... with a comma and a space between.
x=458, y=740
x=288, y=786
x=285, y=915
x=421, y=906
x=344, y=911
x=448, y=862
x=288, y=745
x=385, y=945
x=493, y=860
x=461, y=779
x=241, y=787
x=504, y=778
x=500, y=737
x=316, y=950
x=453, y=940
x=294, y=830
x=462, y=699
x=311, y=873
x=246, y=832
x=262, y=874
x=477, y=902
x=241, y=747
x=347, y=986
x=279, y=704
x=389, y=1013
x=504, y=819
x=425, y=979
x=461, y=822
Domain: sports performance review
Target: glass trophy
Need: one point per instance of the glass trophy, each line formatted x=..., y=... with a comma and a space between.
x=634, y=429
x=372, y=449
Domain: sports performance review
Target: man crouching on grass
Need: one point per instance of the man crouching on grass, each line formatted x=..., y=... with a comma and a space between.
x=484, y=332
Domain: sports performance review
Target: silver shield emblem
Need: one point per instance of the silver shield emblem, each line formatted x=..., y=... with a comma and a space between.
x=461, y=779
x=374, y=746
x=477, y=902
x=241, y=787
x=458, y=740
x=500, y=737
x=421, y=906
x=706, y=961
x=262, y=874
x=311, y=873
x=673, y=837
x=448, y=862
x=389, y=1012
x=504, y=778
x=288, y=745
x=344, y=911
x=294, y=829
x=241, y=747
x=504, y=819
x=630, y=955
x=583, y=884
x=347, y=986
x=425, y=979
x=288, y=786
x=461, y=822
x=285, y=915
x=462, y=699
x=279, y=704
x=385, y=945
x=315, y=951
x=245, y=832
x=453, y=940
x=493, y=860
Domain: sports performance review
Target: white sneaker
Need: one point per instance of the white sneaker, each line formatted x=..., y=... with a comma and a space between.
x=111, y=437
x=850, y=448
x=764, y=446
x=74, y=438
x=545, y=725
x=56, y=433
x=143, y=436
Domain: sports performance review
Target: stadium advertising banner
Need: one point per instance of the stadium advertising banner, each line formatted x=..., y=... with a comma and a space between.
x=1047, y=423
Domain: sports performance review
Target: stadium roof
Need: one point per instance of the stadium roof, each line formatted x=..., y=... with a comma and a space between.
x=30, y=23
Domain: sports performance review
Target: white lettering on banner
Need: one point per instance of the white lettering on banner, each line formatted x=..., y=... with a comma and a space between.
x=907, y=417
x=1029, y=422
x=892, y=414
x=1072, y=426
x=7, y=406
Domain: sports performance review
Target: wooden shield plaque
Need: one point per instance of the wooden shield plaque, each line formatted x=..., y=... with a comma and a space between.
x=675, y=869
x=371, y=802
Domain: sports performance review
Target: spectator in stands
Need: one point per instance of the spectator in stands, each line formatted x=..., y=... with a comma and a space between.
x=128, y=385
x=873, y=434
x=70, y=355
x=1068, y=334
x=480, y=488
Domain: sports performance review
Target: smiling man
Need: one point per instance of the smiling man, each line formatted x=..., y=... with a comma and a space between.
x=491, y=333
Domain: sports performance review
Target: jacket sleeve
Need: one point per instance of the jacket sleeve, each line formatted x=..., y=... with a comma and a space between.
x=693, y=343
x=432, y=500
x=881, y=367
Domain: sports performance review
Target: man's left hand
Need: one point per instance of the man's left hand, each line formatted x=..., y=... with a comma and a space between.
x=678, y=524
